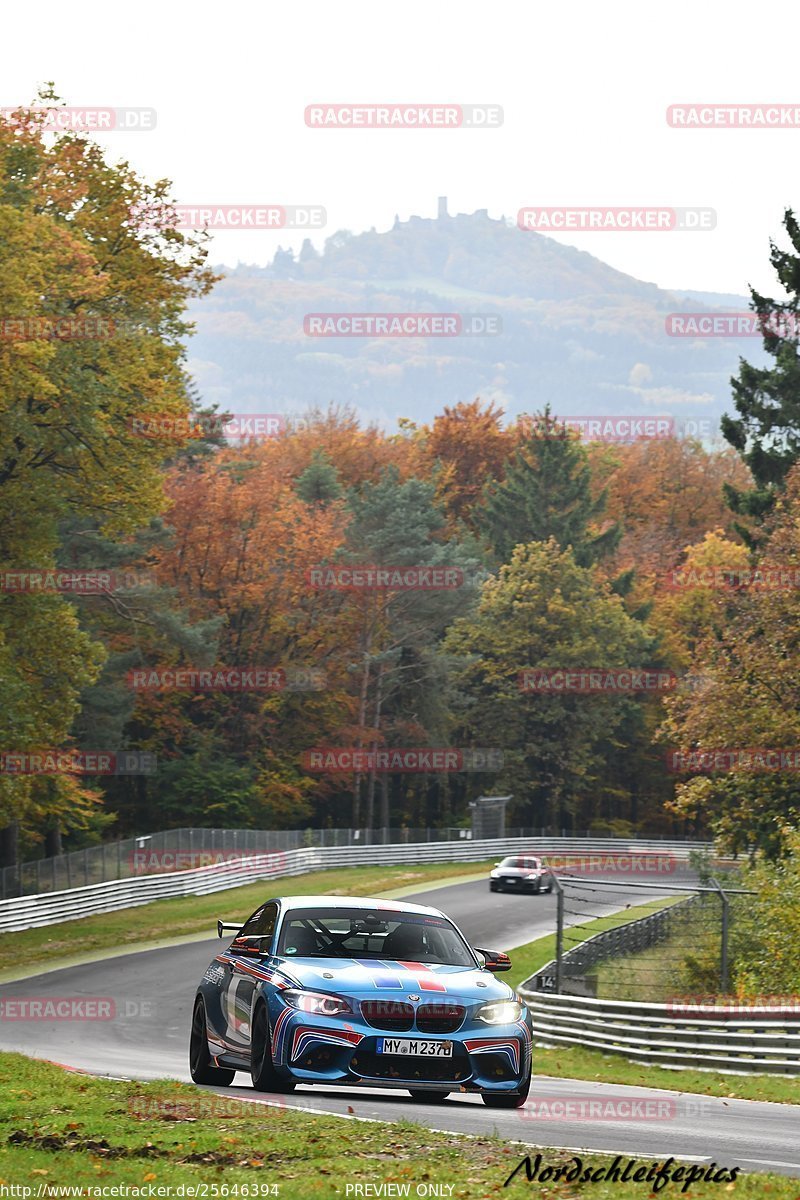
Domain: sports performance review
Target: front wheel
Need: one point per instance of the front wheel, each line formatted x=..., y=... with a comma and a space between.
x=492, y=887
x=262, y=1072
x=200, y=1067
x=507, y=1099
x=427, y=1097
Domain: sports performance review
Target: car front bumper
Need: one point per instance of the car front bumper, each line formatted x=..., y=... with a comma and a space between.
x=329, y=1050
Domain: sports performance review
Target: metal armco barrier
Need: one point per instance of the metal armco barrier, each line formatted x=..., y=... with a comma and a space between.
x=765, y=1041
x=630, y=938
x=50, y=908
x=115, y=860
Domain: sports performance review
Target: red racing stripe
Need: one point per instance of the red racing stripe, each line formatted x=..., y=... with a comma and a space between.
x=426, y=979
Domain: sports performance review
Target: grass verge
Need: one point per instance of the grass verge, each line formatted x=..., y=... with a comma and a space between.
x=576, y=1062
x=61, y=1129
x=528, y=959
x=195, y=914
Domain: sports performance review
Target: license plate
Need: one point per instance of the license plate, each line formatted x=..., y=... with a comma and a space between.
x=416, y=1046
x=510, y=879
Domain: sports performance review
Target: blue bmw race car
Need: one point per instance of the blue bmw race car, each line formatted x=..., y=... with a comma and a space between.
x=376, y=993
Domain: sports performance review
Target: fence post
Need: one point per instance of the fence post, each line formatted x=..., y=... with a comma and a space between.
x=724, y=982
x=559, y=929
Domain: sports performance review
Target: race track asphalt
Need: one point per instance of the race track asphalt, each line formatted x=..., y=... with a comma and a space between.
x=147, y=1038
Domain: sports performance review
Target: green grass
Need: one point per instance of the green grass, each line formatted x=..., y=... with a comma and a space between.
x=576, y=1062
x=528, y=959
x=665, y=971
x=164, y=919
x=59, y=1128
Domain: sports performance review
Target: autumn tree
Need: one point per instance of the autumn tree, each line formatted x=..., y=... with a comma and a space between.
x=547, y=493
x=766, y=431
x=93, y=284
x=665, y=493
x=396, y=523
x=544, y=610
x=470, y=447
x=742, y=630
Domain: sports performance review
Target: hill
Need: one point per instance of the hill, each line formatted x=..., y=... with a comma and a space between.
x=576, y=333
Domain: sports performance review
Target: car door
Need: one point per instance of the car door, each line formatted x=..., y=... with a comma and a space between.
x=245, y=973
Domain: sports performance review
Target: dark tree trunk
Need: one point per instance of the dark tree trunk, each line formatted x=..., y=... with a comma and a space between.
x=52, y=842
x=9, y=845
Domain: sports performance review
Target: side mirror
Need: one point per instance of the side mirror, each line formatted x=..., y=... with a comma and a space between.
x=227, y=927
x=494, y=960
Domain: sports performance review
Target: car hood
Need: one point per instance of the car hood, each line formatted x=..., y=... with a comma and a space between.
x=518, y=870
x=368, y=977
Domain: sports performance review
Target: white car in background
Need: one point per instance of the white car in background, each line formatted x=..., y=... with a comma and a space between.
x=521, y=873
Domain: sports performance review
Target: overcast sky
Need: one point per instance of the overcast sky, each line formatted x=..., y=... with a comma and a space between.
x=584, y=89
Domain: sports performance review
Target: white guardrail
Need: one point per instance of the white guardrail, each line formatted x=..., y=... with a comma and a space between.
x=712, y=1037
x=50, y=908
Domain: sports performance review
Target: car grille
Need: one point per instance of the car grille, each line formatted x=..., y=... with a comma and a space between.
x=439, y=1018
x=388, y=1014
x=403, y=1066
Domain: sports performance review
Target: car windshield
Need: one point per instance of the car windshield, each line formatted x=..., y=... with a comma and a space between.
x=374, y=934
x=526, y=864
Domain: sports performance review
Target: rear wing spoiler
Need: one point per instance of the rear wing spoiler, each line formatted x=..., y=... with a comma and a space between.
x=224, y=927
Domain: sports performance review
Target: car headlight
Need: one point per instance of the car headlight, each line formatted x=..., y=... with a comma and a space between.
x=534, y=874
x=318, y=1003
x=493, y=874
x=499, y=1012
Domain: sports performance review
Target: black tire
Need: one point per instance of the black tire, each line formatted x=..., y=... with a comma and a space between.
x=549, y=887
x=200, y=1067
x=507, y=1099
x=263, y=1074
x=492, y=887
x=423, y=1097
